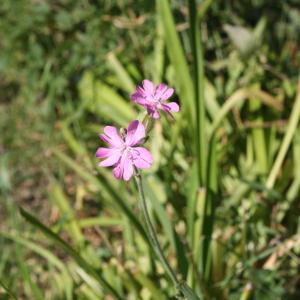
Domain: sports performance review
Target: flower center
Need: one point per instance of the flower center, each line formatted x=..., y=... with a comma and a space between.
x=127, y=151
x=153, y=99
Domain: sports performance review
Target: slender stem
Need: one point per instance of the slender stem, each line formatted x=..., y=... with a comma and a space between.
x=182, y=286
x=151, y=231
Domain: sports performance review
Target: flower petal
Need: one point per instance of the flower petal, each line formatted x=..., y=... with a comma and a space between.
x=112, y=136
x=104, y=138
x=103, y=152
x=172, y=106
x=127, y=169
x=163, y=92
x=138, y=98
x=142, y=158
x=135, y=133
x=155, y=115
x=118, y=172
x=160, y=90
x=124, y=169
x=167, y=94
x=152, y=111
x=148, y=87
x=112, y=159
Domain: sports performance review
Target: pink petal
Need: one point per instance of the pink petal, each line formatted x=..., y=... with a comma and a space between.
x=123, y=169
x=148, y=87
x=127, y=169
x=142, y=158
x=152, y=111
x=167, y=94
x=118, y=172
x=112, y=159
x=135, y=133
x=138, y=98
x=104, y=138
x=155, y=115
x=160, y=90
x=112, y=136
x=172, y=106
x=140, y=91
x=103, y=152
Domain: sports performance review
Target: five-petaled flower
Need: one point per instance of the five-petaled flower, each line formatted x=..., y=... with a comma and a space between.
x=123, y=152
x=152, y=98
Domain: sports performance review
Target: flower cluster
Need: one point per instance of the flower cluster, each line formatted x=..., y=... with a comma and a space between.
x=124, y=151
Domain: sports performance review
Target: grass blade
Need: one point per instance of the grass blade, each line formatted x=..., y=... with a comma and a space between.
x=25, y=273
x=292, y=125
x=70, y=251
x=177, y=58
x=59, y=198
x=105, y=101
x=122, y=74
x=197, y=50
x=46, y=254
x=238, y=97
x=258, y=136
x=7, y=291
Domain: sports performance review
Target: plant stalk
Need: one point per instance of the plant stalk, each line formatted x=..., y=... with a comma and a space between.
x=181, y=286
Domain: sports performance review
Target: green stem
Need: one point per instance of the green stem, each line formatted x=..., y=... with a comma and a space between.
x=182, y=286
x=151, y=231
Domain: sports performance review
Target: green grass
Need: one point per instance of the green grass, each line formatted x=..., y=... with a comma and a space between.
x=224, y=188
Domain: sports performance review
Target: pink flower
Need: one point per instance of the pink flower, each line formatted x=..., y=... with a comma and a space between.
x=123, y=153
x=152, y=98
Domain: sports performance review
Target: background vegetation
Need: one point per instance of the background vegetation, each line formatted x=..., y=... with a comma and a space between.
x=67, y=69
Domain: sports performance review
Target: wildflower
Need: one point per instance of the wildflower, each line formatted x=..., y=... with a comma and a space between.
x=152, y=98
x=123, y=152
